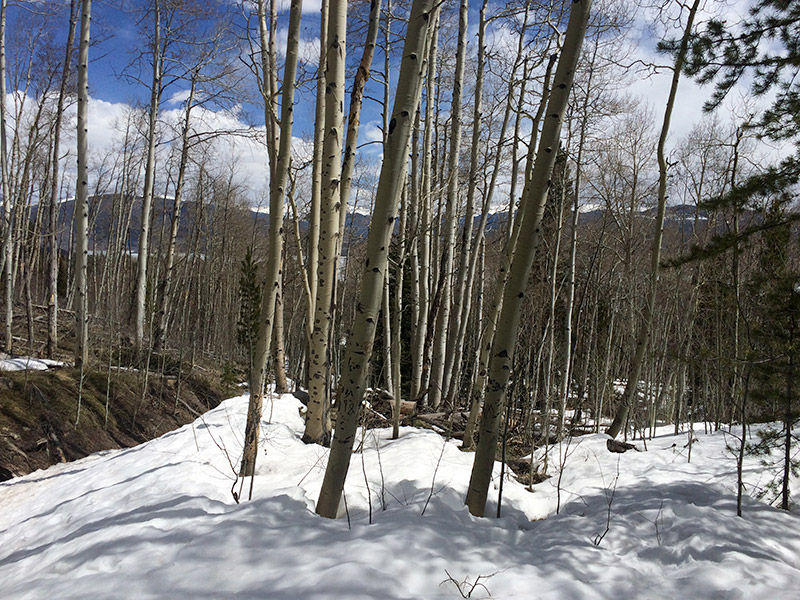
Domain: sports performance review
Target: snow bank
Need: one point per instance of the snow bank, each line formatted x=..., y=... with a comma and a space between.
x=159, y=521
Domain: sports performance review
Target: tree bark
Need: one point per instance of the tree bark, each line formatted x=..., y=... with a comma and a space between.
x=272, y=286
x=82, y=196
x=439, y=370
x=8, y=212
x=149, y=184
x=521, y=262
x=393, y=172
x=318, y=427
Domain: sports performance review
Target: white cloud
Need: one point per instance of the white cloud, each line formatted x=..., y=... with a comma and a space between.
x=309, y=6
x=308, y=49
x=179, y=97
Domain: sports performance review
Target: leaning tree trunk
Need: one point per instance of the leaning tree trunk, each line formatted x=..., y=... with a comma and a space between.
x=643, y=336
x=521, y=262
x=462, y=304
x=393, y=173
x=277, y=193
x=488, y=330
x=82, y=195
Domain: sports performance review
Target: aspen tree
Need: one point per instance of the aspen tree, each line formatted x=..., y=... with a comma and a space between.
x=318, y=426
x=421, y=359
x=53, y=209
x=8, y=227
x=156, y=89
x=522, y=260
x=165, y=285
x=316, y=174
x=392, y=176
x=272, y=286
x=469, y=248
x=646, y=322
x=490, y=326
x=439, y=374
x=82, y=196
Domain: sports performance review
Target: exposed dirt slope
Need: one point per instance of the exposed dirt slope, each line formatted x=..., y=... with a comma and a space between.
x=38, y=411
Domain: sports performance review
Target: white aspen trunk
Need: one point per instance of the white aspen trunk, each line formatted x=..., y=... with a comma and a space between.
x=318, y=426
x=8, y=212
x=354, y=114
x=643, y=335
x=570, y=299
x=522, y=260
x=397, y=309
x=53, y=209
x=440, y=362
x=393, y=173
x=421, y=364
x=272, y=286
x=490, y=326
x=316, y=173
x=149, y=183
x=551, y=325
x=387, y=336
x=428, y=230
x=165, y=285
x=281, y=383
x=462, y=298
x=82, y=197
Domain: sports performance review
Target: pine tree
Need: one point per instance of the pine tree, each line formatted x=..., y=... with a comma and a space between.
x=765, y=46
x=775, y=290
x=250, y=293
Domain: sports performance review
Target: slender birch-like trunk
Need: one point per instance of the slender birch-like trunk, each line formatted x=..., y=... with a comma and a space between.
x=439, y=374
x=646, y=323
x=420, y=359
x=82, y=197
x=52, y=221
x=149, y=184
x=8, y=212
x=165, y=285
x=490, y=326
x=316, y=173
x=278, y=338
x=573, y=247
x=522, y=260
x=393, y=173
x=318, y=427
x=272, y=286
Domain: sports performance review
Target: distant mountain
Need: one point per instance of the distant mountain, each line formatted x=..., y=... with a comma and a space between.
x=105, y=213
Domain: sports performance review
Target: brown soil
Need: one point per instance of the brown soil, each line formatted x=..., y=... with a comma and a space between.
x=38, y=412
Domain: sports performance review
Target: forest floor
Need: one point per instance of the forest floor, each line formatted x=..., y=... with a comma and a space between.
x=160, y=521
x=39, y=409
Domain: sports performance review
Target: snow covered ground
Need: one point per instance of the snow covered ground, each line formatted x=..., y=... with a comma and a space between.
x=22, y=363
x=159, y=521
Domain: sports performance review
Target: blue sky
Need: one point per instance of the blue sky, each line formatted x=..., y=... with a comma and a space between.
x=118, y=37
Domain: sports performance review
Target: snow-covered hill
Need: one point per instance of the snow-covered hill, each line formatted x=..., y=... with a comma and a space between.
x=159, y=521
